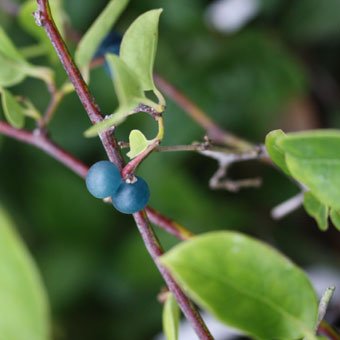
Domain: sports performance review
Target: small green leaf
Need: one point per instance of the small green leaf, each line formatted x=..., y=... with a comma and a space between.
x=335, y=218
x=138, y=143
x=313, y=159
x=274, y=151
x=100, y=28
x=24, y=311
x=27, y=22
x=14, y=112
x=246, y=284
x=139, y=46
x=171, y=316
x=316, y=209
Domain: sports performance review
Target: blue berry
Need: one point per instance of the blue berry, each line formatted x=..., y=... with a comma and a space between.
x=103, y=179
x=131, y=197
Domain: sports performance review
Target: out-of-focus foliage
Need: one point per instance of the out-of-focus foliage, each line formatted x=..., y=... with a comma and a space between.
x=98, y=275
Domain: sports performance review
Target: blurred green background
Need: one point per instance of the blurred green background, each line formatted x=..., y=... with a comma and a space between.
x=280, y=70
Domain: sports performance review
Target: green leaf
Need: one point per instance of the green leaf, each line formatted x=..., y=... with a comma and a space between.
x=11, y=62
x=24, y=311
x=335, y=218
x=113, y=120
x=274, y=151
x=129, y=94
x=125, y=81
x=139, y=46
x=14, y=112
x=27, y=22
x=138, y=143
x=171, y=316
x=100, y=28
x=313, y=159
x=316, y=209
x=246, y=284
x=14, y=68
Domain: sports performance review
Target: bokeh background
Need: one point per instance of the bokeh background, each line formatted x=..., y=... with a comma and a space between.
x=275, y=66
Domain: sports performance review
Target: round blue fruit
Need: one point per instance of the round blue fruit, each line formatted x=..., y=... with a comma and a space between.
x=131, y=197
x=103, y=179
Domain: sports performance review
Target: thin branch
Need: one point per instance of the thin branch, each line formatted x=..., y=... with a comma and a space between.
x=40, y=141
x=155, y=250
x=285, y=208
x=44, y=18
x=214, y=132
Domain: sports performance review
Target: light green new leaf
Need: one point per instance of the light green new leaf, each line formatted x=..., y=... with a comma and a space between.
x=100, y=28
x=24, y=311
x=138, y=143
x=129, y=94
x=274, y=151
x=126, y=82
x=246, y=284
x=313, y=159
x=171, y=316
x=139, y=46
x=14, y=112
x=335, y=218
x=27, y=22
x=316, y=209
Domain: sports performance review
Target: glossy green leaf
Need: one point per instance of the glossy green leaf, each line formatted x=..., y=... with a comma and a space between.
x=274, y=151
x=24, y=312
x=27, y=22
x=313, y=159
x=171, y=316
x=14, y=112
x=139, y=46
x=138, y=143
x=335, y=218
x=316, y=209
x=100, y=28
x=246, y=284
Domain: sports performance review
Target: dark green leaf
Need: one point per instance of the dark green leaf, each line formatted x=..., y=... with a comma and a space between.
x=97, y=32
x=24, y=313
x=139, y=46
x=171, y=316
x=313, y=159
x=316, y=209
x=14, y=112
x=274, y=151
x=246, y=284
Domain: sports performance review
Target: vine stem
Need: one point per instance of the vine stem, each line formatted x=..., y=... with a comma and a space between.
x=44, y=18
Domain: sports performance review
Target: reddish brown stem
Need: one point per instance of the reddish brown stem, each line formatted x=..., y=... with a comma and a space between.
x=214, y=132
x=41, y=142
x=45, y=19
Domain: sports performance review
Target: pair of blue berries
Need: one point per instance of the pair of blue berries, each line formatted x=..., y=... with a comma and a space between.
x=104, y=180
